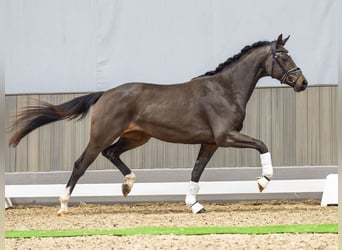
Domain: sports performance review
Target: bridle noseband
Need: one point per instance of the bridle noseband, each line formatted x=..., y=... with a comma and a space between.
x=286, y=73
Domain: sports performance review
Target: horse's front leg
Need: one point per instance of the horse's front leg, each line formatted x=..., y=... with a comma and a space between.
x=204, y=155
x=238, y=140
x=267, y=171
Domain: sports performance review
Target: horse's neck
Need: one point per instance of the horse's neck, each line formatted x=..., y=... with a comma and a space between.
x=243, y=76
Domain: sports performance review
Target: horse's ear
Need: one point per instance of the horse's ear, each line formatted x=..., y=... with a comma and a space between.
x=285, y=40
x=279, y=41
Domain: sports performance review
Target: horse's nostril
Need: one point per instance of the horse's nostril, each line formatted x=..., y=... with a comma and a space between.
x=305, y=83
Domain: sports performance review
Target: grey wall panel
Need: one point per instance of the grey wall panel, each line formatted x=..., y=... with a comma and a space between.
x=86, y=45
x=299, y=129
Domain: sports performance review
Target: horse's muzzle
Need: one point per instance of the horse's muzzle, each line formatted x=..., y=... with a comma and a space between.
x=300, y=84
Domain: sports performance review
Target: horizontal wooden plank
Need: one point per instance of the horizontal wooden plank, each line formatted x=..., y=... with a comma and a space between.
x=170, y=175
x=166, y=188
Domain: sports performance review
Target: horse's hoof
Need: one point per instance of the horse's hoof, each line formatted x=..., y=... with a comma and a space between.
x=260, y=188
x=197, y=208
x=262, y=183
x=126, y=189
x=202, y=211
x=128, y=184
x=63, y=212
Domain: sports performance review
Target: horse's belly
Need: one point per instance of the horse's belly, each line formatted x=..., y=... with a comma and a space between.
x=181, y=133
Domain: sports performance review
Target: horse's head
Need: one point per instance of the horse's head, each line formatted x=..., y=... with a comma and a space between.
x=281, y=66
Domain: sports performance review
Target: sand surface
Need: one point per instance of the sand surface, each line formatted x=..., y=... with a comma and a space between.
x=174, y=214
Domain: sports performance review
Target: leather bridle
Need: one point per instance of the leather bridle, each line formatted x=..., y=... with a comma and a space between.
x=286, y=73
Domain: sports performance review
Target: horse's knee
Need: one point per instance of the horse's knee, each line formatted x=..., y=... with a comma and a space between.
x=224, y=140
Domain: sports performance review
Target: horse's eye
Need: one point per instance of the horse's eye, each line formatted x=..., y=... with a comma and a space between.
x=285, y=58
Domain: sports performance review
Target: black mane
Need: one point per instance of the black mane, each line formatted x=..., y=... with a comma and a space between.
x=230, y=60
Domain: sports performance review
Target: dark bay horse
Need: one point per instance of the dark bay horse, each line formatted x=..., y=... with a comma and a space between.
x=208, y=110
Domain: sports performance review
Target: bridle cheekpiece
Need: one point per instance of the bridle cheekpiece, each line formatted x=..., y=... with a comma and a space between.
x=286, y=73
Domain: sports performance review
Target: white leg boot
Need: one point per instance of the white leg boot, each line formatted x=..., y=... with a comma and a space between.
x=267, y=171
x=190, y=199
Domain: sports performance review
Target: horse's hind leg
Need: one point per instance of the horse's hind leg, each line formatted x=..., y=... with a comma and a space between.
x=204, y=155
x=99, y=140
x=80, y=166
x=126, y=142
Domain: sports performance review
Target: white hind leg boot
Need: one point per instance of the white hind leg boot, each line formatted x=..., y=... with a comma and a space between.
x=267, y=171
x=190, y=199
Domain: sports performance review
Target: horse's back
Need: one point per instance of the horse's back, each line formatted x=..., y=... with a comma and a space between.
x=142, y=94
x=167, y=112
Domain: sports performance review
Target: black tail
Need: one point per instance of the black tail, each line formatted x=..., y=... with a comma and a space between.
x=33, y=117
